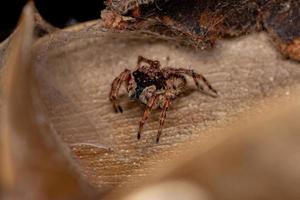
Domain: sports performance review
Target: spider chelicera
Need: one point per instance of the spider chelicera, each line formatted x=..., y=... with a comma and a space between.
x=155, y=87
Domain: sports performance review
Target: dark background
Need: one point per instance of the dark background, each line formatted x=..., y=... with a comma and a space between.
x=59, y=13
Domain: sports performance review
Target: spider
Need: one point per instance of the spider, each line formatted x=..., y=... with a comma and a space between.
x=155, y=87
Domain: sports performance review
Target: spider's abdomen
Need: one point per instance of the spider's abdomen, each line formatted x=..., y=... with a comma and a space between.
x=144, y=80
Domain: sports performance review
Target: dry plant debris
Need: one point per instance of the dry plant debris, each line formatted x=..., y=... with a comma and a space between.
x=200, y=23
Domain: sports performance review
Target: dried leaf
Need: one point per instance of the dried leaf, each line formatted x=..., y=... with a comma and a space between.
x=35, y=164
x=201, y=23
x=259, y=161
x=75, y=69
x=282, y=21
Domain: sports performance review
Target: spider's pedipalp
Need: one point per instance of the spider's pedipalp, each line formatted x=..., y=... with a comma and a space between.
x=115, y=87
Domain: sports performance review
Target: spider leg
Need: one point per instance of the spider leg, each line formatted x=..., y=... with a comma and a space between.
x=146, y=114
x=115, y=87
x=194, y=75
x=197, y=76
x=162, y=118
x=152, y=63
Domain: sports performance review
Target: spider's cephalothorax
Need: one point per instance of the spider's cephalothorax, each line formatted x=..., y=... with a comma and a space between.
x=153, y=86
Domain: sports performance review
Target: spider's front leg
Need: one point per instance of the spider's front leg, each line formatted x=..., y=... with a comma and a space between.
x=115, y=87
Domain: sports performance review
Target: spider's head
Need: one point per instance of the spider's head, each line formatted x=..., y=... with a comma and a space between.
x=139, y=81
x=144, y=83
x=139, y=92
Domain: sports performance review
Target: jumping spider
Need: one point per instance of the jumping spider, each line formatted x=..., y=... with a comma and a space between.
x=154, y=87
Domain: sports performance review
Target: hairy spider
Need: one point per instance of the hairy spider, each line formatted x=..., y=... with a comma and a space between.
x=154, y=86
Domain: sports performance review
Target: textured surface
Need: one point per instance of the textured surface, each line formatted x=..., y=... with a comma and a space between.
x=258, y=161
x=75, y=68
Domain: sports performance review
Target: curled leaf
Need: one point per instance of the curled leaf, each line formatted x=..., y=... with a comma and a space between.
x=35, y=164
